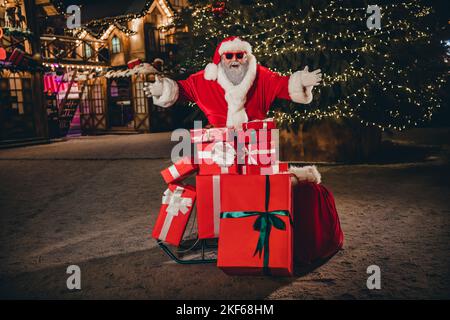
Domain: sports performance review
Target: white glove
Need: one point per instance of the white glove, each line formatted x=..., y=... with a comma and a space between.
x=154, y=89
x=311, y=78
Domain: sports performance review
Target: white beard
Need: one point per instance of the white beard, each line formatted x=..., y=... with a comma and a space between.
x=235, y=74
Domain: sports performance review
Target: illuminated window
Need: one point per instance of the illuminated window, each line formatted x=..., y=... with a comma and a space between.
x=93, y=100
x=16, y=93
x=115, y=44
x=139, y=97
x=87, y=51
x=97, y=98
x=114, y=89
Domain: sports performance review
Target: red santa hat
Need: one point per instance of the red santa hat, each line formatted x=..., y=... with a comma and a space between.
x=229, y=44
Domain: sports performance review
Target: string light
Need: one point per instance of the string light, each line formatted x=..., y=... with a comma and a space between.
x=294, y=34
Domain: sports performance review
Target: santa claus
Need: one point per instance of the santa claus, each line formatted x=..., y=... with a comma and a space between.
x=234, y=88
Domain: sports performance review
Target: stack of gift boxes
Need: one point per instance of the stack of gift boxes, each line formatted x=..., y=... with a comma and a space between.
x=243, y=196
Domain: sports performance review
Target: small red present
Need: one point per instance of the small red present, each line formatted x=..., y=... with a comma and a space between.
x=216, y=158
x=17, y=57
x=256, y=234
x=2, y=54
x=177, y=203
x=179, y=170
x=212, y=134
x=268, y=123
x=257, y=147
x=261, y=153
x=208, y=206
x=133, y=63
x=280, y=167
x=256, y=135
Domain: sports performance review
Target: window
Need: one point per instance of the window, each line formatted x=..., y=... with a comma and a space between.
x=87, y=51
x=115, y=44
x=92, y=100
x=16, y=93
x=84, y=103
x=162, y=41
x=139, y=97
x=97, y=98
x=114, y=89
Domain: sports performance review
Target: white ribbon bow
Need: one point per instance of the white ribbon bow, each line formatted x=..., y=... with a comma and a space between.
x=223, y=154
x=175, y=202
x=253, y=153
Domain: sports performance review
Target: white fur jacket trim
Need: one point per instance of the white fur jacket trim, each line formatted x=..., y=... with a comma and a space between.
x=169, y=95
x=306, y=173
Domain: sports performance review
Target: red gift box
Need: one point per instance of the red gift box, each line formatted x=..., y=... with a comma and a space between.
x=268, y=123
x=179, y=170
x=261, y=153
x=133, y=63
x=256, y=234
x=280, y=167
x=2, y=54
x=212, y=134
x=216, y=158
x=208, y=206
x=17, y=57
x=177, y=203
x=257, y=147
x=256, y=135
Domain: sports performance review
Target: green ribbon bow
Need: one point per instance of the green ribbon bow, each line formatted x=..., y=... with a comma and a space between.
x=264, y=223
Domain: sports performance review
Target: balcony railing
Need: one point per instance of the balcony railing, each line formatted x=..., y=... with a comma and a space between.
x=71, y=50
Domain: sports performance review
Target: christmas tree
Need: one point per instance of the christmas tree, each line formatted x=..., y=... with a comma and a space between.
x=389, y=77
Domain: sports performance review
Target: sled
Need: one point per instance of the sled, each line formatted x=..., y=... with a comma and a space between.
x=199, y=244
x=191, y=246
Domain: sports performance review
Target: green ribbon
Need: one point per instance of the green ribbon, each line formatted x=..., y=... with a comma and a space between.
x=264, y=223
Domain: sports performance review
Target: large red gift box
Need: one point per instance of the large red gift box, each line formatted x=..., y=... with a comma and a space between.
x=179, y=170
x=216, y=158
x=256, y=234
x=208, y=206
x=177, y=203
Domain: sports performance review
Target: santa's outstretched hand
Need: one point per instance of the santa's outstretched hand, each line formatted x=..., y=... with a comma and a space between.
x=154, y=89
x=311, y=79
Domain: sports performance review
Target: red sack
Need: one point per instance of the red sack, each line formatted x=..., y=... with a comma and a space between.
x=318, y=233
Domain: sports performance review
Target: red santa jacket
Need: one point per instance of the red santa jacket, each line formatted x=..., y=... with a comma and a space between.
x=254, y=95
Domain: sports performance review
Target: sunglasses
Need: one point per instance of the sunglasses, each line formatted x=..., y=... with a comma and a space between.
x=237, y=55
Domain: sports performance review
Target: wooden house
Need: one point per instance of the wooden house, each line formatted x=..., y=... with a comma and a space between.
x=22, y=110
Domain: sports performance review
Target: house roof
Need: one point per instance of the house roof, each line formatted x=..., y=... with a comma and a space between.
x=100, y=9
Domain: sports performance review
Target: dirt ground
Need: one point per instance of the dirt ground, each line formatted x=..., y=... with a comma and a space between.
x=93, y=201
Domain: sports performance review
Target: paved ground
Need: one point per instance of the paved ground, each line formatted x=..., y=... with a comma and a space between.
x=93, y=201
